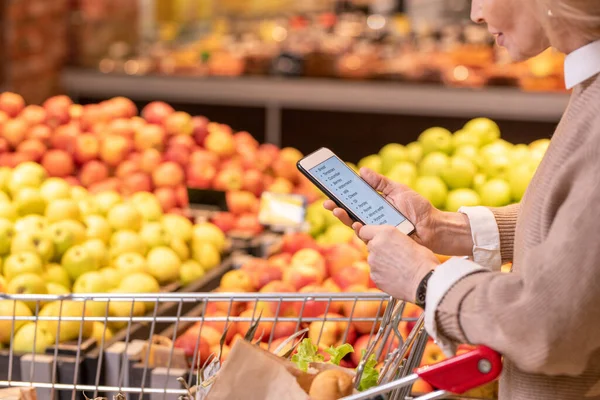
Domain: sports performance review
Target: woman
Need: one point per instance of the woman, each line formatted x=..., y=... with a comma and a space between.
x=544, y=317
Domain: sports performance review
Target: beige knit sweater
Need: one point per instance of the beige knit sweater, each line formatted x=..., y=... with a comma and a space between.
x=544, y=317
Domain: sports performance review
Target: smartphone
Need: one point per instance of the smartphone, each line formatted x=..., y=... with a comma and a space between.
x=349, y=191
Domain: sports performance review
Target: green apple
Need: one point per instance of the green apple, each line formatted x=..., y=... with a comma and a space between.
x=140, y=282
x=404, y=172
x=206, y=255
x=8, y=308
x=56, y=289
x=460, y=173
x=90, y=282
x=101, y=333
x=178, y=226
x=478, y=181
x=112, y=277
x=37, y=242
x=353, y=167
x=465, y=138
x=6, y=234
x=28, y=284
x=163, y=264
x=76, y=227
x=190, y=271
x=316, y=219
x=78, y=260
x=55, y=273
x=79, y=193
x=87, y=206
x=458, y=198
x=148, y=205
x=22, y=263
x=414, y=151
x=126, y=241
x=107, y=200
x=155, y=234
x=62, y=209
x=519, y=177
x=391, y=154
x=486, y=129
x=129, y=263
x=4, y=197
x=29, y=201
x=372, y=162
x=8, y=211
x=433, y=189
x=495, y=166
x=337, y=234
x=26, y=175
x=32, y=338
x=3, y=284
x=205, y=232
x=97, y=227
x=98, y=250
x=31, y=223
x=62, y=238
x=54, y=189
x=540, y=145
x=124, y=216
x=180, y=248
x=495, y=193
x=496, y=148
x=469, y=152
x=124, y=309
x=5, y=175
x=69, y=330
x=436, y=139
x=433, y=164
x=520, y=154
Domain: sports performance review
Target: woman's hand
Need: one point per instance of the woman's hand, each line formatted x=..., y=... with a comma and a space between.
x=398, y=263
x=415, y=207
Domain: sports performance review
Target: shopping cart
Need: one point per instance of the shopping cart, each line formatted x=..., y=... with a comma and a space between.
x=132, y=346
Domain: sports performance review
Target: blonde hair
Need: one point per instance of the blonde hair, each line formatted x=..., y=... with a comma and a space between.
x=582, y=16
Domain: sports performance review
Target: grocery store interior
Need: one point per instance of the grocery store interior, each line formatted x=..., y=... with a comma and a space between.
x=149, y=147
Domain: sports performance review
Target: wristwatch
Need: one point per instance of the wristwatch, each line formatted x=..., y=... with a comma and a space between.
x=422, y=290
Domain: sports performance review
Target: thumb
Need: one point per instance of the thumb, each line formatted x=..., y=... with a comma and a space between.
x=377, y=181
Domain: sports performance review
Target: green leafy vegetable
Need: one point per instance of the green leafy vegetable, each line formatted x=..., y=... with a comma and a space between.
x=370, y=375
x=337, y=353
x=307, y=353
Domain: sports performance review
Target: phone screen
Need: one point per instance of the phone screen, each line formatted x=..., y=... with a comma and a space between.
x=355, y=193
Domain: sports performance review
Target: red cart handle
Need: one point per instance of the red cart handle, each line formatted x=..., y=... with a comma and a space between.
x=464, y=372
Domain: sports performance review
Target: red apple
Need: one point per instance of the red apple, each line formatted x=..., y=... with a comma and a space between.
x=110, y=184
x=60, y=101
x=432, y=354
x=220, y=326
x=249, y=224
x=87, y=147
x=136, y=182
x=331, y=333
x=123, y=107
x=224, y=221
x=241, y=202
x=200, y=176
x=412, y=312
x=41, y=133
x=179, y=123
x=264, y=328
x=63, y=137
x=156, y=112
x=372, y=310
x=421, y=387
x=92, y=172
x=34, y=115
x=150, y=160
x=261, y=272
x=228, y=179
x=253, y=182
x=168, y=174
x=34, y=147
x=203, y=157
x=15, y=131
x=281, y=185
x=177, y=154
x=91, y=115
x=127, y=167
x=182, y=141
x=4, y=147
x=283, y=260
x=182, y=196
x=341, y=255
x=58, y=112
x=75, y=112
x=200, y=131
x=302, y=275
x=220, y=143
x=355, y=274
x=122, y=127
x=166, y=198
x=309, y=257
x=245, y=140
x=11, y=103
x=114, y=149
x=150, y=137
x=267, y=154
x=285, y=165
x=58, y=163
x=3, y=118
x=293, y=242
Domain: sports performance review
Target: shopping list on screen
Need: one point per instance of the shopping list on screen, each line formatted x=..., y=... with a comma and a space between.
x=355, y=193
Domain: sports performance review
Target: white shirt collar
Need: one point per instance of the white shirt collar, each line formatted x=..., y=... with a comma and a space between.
x=582, y=64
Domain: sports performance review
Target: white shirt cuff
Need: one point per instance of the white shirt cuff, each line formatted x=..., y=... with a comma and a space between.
x=442, y=280
x=486, y=237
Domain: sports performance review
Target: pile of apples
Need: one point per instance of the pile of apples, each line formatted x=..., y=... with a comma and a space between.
x=58, y=239
x=107, y=146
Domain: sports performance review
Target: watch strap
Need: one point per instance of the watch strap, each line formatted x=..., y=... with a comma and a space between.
x=422, y=290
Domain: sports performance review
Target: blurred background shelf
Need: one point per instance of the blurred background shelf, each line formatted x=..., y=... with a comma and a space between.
x=293, y=111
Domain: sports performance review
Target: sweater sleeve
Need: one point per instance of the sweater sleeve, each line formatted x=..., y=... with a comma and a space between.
x=506, y=218
x=545, y=318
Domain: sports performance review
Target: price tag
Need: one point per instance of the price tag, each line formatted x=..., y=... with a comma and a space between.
x=203, y=202
x=282, y=210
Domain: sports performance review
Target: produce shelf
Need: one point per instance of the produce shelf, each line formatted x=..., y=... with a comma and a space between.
x=276, y=94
